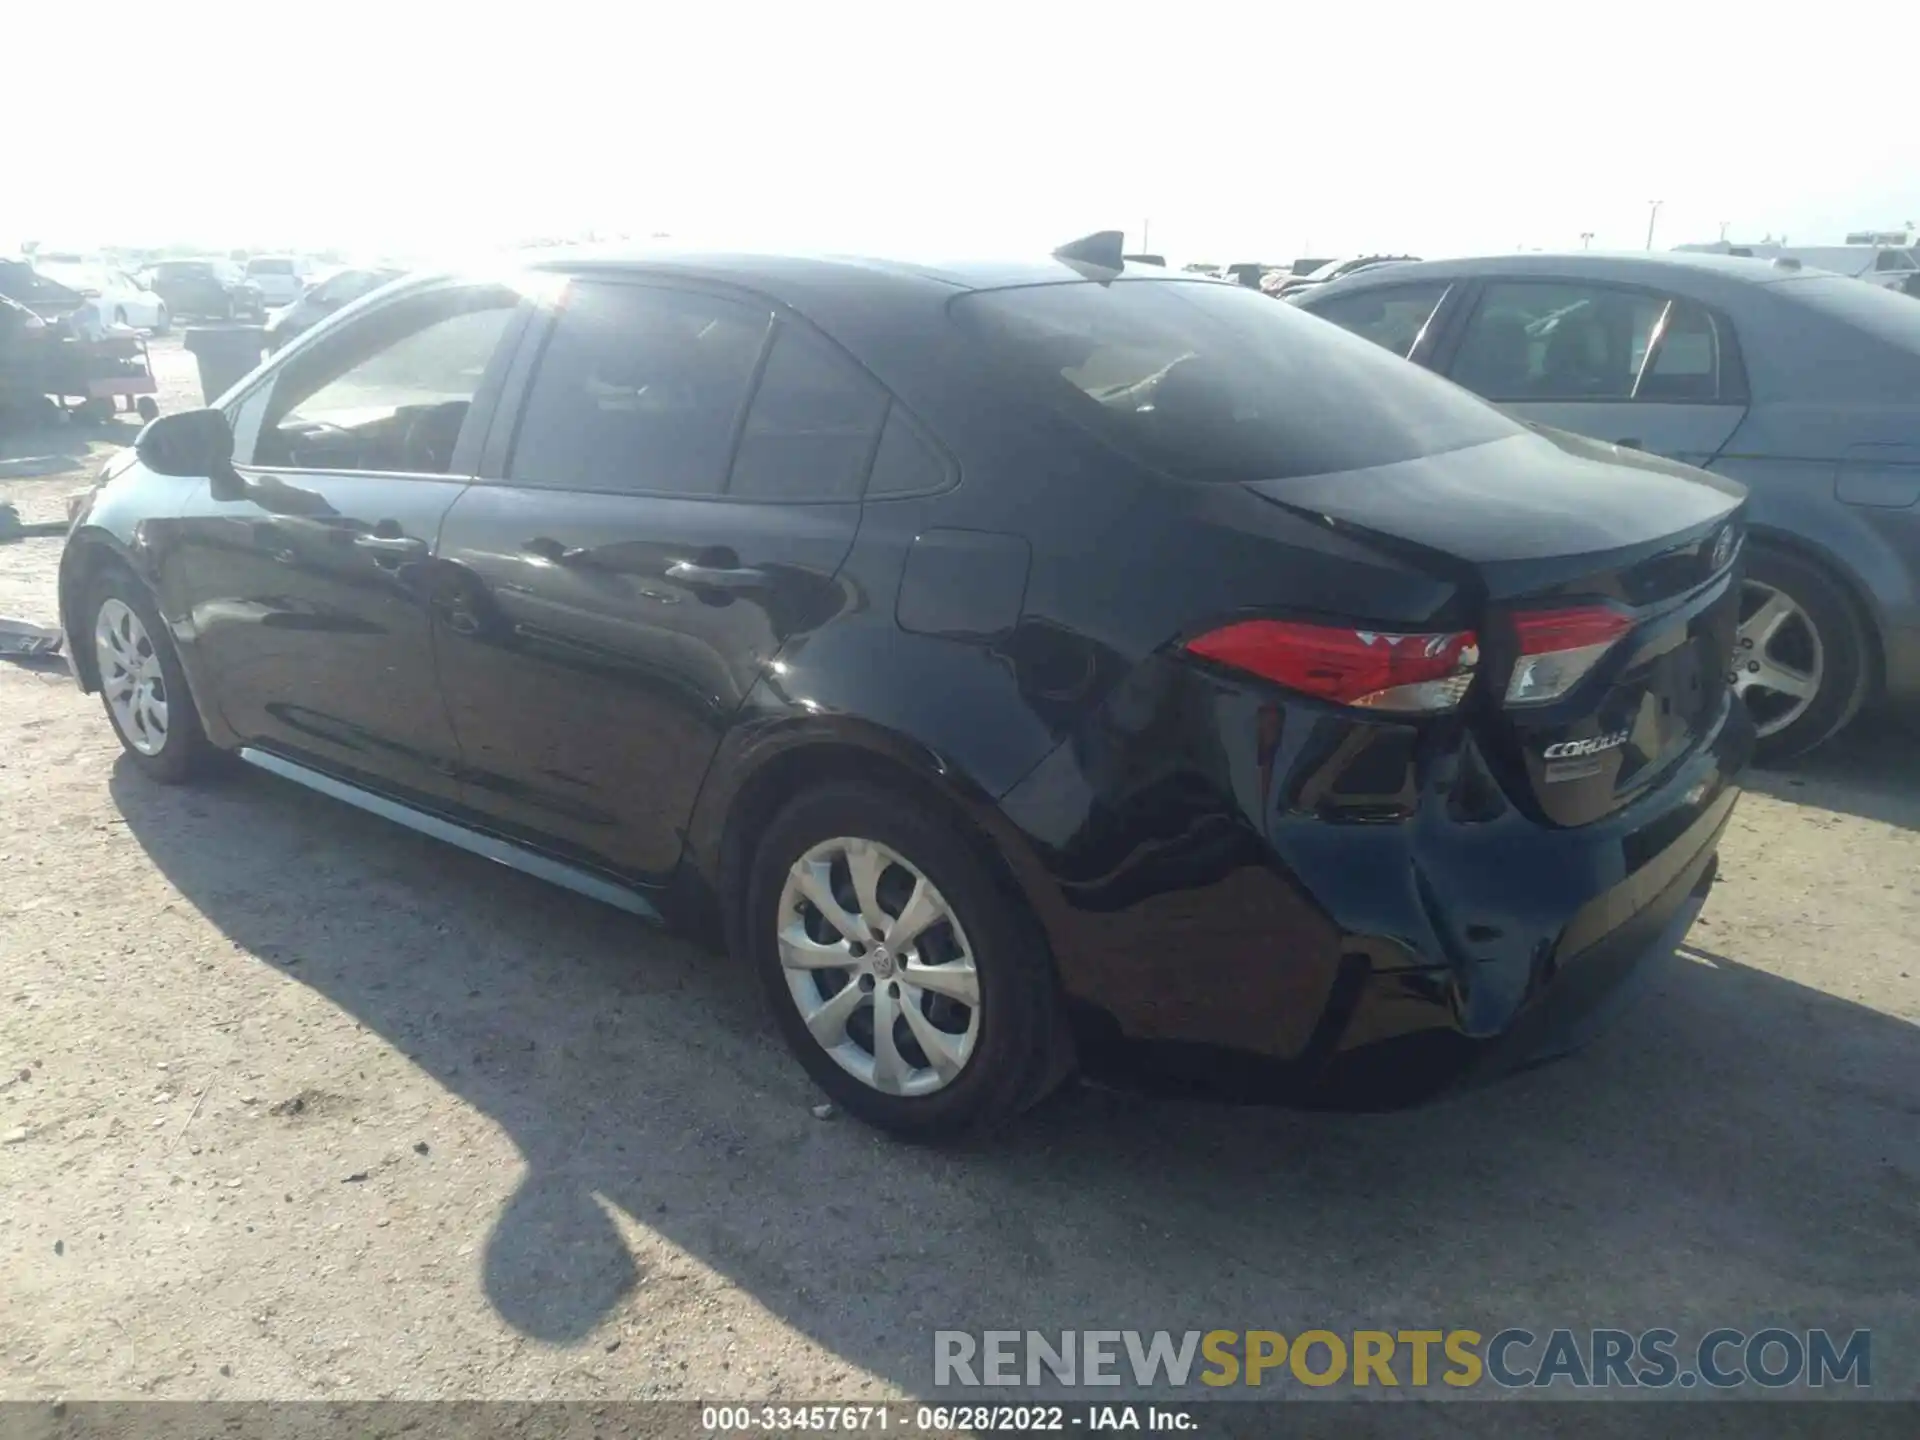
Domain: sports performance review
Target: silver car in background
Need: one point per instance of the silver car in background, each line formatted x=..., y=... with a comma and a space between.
x=1801, y=384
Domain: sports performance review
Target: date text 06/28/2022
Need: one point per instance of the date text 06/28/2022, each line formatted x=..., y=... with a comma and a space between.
x=1513, y=1358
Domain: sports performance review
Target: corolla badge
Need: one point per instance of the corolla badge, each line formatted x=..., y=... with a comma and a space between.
x=1592, y=745
x=1722, y=552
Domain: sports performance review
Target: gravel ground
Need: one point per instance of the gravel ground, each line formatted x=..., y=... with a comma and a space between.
x=298, y=1104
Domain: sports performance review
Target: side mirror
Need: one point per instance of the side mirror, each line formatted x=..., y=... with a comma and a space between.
x=193, y=442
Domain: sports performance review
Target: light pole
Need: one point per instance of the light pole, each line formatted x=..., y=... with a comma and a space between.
x=1653, y=214
x=1586, y=239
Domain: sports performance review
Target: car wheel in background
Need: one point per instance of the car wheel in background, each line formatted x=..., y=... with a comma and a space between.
x=119, y=314
x=141, y=682
x=1800, y=656
x=148, y=407
x=906, y=980
x=162, y=322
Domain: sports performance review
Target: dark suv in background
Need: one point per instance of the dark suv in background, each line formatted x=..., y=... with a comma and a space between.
x=332, y=293
x=1020, y=665
x=209, y=289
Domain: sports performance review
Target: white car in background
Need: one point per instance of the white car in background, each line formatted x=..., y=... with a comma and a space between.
x=1891, y=267
x=282, y=279
x=113, y=296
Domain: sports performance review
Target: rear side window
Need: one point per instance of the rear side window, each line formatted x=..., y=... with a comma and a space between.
x=1392, y=316
x=270, y=267
x=1217, y=382
x=812, y=427
x=907, y=462
x=640, y=390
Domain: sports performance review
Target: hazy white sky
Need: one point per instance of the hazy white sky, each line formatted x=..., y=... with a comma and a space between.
x=1476, y=125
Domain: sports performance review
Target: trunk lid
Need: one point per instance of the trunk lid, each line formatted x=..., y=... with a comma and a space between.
x=1551, y=522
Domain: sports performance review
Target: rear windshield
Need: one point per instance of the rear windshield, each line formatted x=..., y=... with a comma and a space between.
x=1885, y=314
x=1219, y=382
x=269, y=267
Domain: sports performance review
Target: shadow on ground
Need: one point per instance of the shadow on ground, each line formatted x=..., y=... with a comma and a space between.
x=1871, y=770
x=46, y=451
x=1740, y=1150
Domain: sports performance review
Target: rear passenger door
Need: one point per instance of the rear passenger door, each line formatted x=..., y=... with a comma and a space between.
x=669, y=511
x=1632, y=366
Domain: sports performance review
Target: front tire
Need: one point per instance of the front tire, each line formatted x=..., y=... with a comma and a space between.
x=1800, y=658
x=905, y=979
x=142, y=685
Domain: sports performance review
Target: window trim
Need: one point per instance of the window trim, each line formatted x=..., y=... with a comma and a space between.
x=503, y=434
x=1733, y=388
x=480, y=411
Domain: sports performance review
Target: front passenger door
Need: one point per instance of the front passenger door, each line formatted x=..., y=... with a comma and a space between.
x=307, y=580
x=1630, y=366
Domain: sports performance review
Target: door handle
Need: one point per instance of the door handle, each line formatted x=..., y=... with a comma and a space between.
x=405, y=547
x=718, y=577
x=555, y=553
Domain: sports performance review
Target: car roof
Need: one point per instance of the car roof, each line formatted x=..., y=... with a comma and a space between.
x=776, y=272
x=1629, y=267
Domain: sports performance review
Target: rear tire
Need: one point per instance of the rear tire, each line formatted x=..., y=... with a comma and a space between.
x=141, y=679
x=985, y=1061
x=1823, y=636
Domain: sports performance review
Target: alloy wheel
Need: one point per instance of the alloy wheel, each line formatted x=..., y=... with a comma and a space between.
x=1778, y=657
x=879, y=966
x=130, y=676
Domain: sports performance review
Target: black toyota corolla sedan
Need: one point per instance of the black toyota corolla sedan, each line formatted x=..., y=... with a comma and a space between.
x=1027, y=667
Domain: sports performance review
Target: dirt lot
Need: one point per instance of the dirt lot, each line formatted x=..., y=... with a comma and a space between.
x=297, y=1104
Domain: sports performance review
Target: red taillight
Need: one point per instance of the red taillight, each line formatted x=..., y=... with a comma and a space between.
x=1558, y=648
x=1366, y=668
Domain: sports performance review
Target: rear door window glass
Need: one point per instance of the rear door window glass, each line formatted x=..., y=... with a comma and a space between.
x=1686, y=362
x=1560, y=342
x=1392, y=316
x=812, y=426
x=1216, y=382
x=640, y=390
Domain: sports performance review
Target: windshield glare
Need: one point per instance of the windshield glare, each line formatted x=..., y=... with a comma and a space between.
x=1218, y=382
